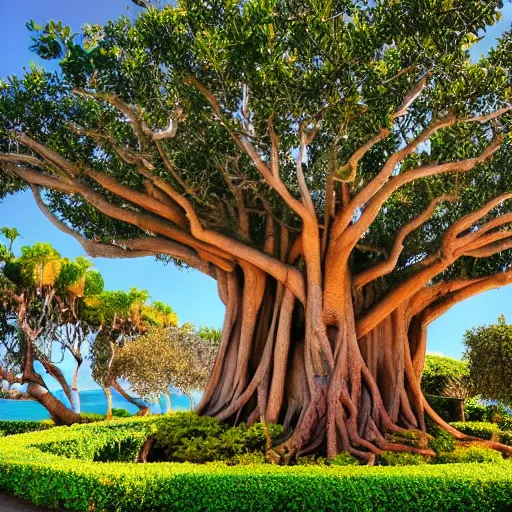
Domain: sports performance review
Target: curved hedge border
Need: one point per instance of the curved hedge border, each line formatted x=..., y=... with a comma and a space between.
x=33, y=466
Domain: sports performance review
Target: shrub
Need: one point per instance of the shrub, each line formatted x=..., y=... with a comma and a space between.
x=474, y=410
x=10, y=428
x=469, y=455
x=120, y=413
x=446, y=407
x=505, y=422
x=438, y=371
x=400, y=459
x=57, y=482
x=104, y=442
x=481, y=429
x=91, y=417
x=408, y=437
x=441, y=441
x=344, y=459
x=187, y=437
x=245, y=459
x=505, y=438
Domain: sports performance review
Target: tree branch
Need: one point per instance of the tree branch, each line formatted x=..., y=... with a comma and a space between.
x=136, y=248
x=437, y=308
x=385, y=267
x=355, y=231
x=376, y=183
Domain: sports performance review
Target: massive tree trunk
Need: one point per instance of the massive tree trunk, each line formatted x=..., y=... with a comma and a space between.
x=270, y=369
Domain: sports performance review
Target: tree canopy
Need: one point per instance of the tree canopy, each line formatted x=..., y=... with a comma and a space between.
x=165, y=358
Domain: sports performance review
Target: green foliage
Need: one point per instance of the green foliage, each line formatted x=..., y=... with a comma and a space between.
x=165, y=357
x=11, y=428
x=441, y=441
x=344, y=459
x=469, y=455
x=489, y=355
x=446, y=407
x=346, y=64
x=481, y=429
x=58, y=481
x=209, y=333
x=186, y=437
x=408, y=437
x=105, y=442
x=505, y=437
x=124, y=316
x=91, y=417
x=438, y=371
x=496, y=413
x=249, y=458
x=120, y=413
x=400, y=459
x=474, y=410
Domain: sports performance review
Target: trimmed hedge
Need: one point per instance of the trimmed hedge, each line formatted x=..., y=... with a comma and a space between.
x=10, y=428
x=480, y=429
x=52, y=480
x=473, y=454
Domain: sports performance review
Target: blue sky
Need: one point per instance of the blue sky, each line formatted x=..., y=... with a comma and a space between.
x=192, y=295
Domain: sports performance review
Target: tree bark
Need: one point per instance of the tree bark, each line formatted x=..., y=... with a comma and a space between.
x=59, y=413
x=74, y=389
x=168, y=403
x=371, y=392
x=141, y=404
x=108, y=395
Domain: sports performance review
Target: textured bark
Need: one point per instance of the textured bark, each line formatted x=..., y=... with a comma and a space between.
x=371, y=391
x=59, y=413
x=141, y=404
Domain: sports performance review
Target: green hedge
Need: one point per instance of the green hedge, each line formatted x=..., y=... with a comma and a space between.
x=10, y=428
x=439, y=370
x=469, y=455
x=480, y=429
x=50, y=479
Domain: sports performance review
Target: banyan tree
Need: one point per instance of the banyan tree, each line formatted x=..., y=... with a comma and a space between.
x=342, y=169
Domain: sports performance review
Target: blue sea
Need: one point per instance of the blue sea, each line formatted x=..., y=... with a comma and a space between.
x=91, y=401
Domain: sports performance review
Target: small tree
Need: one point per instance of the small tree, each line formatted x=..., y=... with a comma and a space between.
x=438, y=373
x=38, y=289
x=489, y=355
x=166, y=357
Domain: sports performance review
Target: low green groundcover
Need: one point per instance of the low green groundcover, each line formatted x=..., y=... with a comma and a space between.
x=43, y=467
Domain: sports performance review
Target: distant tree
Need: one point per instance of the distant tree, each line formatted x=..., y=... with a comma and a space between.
x=489, y=356
x=120, y=317
x=439, y=371
x=166, y=357
x=210, y=333
x=41, y=292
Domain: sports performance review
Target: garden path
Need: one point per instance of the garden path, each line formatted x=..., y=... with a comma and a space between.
x=9, y=503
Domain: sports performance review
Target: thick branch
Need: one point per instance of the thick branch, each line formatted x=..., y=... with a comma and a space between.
x=354, y=232
x=439, y=307
x=375, y=185
x=387, y=266
x=136, y=248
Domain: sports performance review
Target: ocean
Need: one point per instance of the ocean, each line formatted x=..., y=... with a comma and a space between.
x=91, y=401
